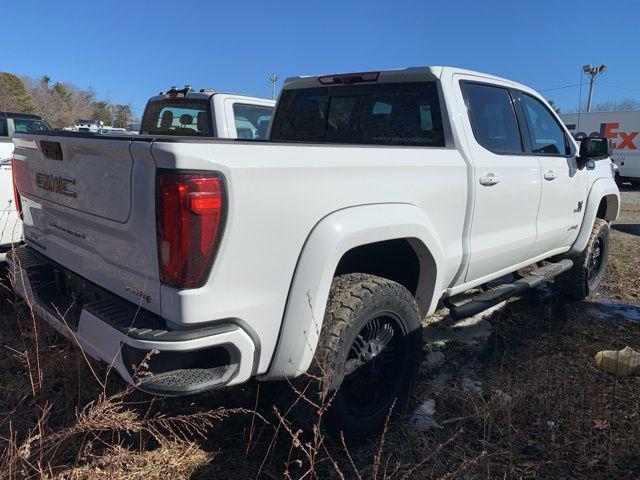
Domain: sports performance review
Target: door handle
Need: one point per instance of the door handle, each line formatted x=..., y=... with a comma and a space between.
x=489, y=180
x=550, y=175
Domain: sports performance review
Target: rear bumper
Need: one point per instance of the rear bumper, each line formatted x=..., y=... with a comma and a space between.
x=111, y=329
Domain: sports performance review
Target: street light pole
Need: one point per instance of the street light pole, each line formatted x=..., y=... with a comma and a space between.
x=274, y=80
x=593, y=72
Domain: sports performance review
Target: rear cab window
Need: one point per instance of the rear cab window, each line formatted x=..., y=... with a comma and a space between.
x=28, y=125
x=179, y=117
x=400, y=114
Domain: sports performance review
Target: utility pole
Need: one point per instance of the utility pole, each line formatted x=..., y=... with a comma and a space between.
x=593, y=72
x=274, y=80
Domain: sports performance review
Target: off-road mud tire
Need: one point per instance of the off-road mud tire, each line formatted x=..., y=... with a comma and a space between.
x=357, y=303
x=580, y=281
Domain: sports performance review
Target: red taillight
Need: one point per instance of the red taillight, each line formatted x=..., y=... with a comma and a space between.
x=16, y=195
x=190, y=214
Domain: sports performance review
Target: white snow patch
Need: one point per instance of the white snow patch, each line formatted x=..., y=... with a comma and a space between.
x=422, y=417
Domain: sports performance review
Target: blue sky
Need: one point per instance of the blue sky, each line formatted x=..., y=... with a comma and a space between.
x=128, y=51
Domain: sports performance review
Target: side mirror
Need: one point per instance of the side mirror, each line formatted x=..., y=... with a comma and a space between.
x=594, y=148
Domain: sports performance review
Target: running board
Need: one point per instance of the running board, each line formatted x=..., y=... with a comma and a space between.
x=494, y=296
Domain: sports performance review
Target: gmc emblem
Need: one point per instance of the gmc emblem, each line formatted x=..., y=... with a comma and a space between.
x=56, y=184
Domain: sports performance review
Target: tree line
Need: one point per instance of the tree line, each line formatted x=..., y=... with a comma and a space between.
x=610, y=106
x=59, y=103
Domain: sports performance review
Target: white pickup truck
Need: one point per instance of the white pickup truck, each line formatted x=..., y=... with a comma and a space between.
x=207, y=113
x=10, y=225
x=376, y=196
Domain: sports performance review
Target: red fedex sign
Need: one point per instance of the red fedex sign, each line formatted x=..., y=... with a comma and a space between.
x=620, y=139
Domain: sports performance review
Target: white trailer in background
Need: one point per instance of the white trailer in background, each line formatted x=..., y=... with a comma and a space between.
x=621, y=127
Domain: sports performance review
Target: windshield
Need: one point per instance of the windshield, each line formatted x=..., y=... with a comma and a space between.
x=29, y=125
x=180, y=117
x=406, y=114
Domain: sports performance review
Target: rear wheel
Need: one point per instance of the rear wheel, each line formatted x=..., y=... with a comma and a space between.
x=589, y=267
x=369, y=353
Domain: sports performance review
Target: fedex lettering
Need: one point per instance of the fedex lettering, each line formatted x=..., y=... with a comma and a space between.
x=610, y=130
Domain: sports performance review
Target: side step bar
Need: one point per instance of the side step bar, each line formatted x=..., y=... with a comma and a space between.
x=490, y=298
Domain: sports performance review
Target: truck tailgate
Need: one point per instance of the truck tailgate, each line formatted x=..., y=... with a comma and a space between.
x=82, y=175
x=89, y=204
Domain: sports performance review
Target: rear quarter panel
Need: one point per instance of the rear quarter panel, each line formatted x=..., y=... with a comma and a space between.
x=277, y=195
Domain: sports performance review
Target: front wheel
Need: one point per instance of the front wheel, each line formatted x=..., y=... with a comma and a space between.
x=589, y=267
x=369, y=353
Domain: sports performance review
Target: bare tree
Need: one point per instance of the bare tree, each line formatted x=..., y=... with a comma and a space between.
x=625, y=104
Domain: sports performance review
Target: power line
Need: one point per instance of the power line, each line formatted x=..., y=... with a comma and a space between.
x=599, y=83
x=560, y=88
x=621, y=88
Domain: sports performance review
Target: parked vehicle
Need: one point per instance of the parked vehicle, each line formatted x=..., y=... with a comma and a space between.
x=94, y=126
x=10, y=225
x=622, y=127
x=377, y=196
x=86, y=125
x=207, y=113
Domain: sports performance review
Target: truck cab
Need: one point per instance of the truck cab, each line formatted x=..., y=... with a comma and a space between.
x=207, y=113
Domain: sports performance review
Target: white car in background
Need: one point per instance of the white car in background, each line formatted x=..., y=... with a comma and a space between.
x=10, y=225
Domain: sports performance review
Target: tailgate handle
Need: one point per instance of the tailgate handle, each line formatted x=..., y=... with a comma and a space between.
x=51, y=150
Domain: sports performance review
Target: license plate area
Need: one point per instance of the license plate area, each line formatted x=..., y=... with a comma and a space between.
x=51, y=150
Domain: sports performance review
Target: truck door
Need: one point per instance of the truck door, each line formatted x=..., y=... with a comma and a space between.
x=564, y=186
x=506, y=180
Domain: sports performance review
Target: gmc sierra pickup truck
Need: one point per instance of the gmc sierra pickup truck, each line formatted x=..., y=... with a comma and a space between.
x=377, y=196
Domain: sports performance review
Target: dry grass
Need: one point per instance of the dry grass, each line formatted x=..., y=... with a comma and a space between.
x=541, y=409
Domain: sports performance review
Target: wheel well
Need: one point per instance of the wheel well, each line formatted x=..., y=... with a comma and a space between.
x=403, y=260
x=608, y=208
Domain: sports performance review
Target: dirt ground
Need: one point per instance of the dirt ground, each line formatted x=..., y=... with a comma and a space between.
x=511, y=394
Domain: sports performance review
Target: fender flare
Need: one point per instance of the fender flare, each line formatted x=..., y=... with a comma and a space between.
x=330, y=239
x=601, y=188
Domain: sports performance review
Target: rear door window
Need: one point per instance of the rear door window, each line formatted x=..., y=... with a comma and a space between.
x=180, y=117
x=493, y=118
x=251, y=121
x=402, y=114
x=3, y=128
